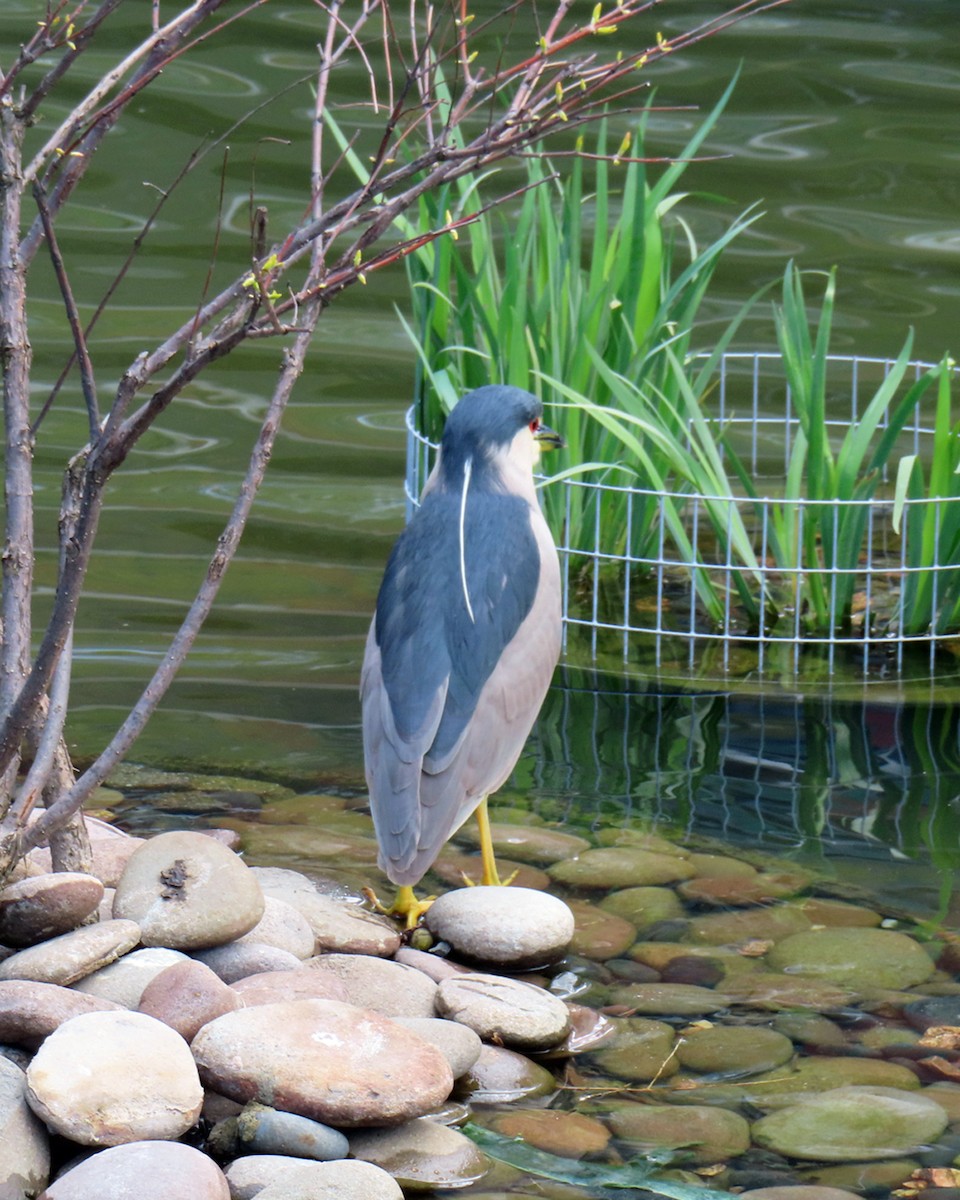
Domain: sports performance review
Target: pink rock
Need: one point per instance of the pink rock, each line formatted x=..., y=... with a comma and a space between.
x=322, y=1059
x=186, y=996
x=30, y=1012
x=273, y=987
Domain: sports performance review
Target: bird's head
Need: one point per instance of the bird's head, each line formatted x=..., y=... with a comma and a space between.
x=496, y=423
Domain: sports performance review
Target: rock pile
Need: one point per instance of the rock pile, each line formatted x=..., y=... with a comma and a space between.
x=228, y=1031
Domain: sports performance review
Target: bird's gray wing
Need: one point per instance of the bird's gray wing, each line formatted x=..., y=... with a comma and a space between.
x=435, y=643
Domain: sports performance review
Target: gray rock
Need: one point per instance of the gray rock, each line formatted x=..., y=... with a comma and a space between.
x=338, y=925
x=188, y=892
x=186, y=996
x=44, y=906
x=423, y=1155
x=30, y=1012
x=511, y=927
x=284, y=927
x=24, y=1148
x=148, y=1170
x=107, y=1078
x=237, y=960
x=329, y=1061
x=273, y=1177
x=459, y=1044
x=512, y=1013
x=389, y=988
x=71, y=956
x=123, y=981
x=258, y=1129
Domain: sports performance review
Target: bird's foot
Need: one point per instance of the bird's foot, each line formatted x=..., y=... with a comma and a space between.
x=490, y=879
x=405, y=907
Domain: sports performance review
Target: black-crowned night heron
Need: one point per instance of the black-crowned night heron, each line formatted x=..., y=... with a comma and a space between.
x=465, y=637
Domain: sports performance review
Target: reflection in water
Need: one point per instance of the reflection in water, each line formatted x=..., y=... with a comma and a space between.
x=873, y=790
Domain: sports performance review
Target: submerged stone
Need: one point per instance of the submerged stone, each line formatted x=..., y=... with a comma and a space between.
x=697, y=1135
x=620, y=867
x=733, y=1050
x=422, y=1154
x=852, y=1123
x=639, y=1051
x=854, y=957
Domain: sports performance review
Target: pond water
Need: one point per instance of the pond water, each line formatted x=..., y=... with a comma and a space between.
x=842, y=126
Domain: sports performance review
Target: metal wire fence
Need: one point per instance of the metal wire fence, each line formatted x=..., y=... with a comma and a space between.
x=842, y=583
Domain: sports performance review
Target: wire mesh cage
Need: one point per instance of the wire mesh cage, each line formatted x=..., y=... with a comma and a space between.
x=760, y=575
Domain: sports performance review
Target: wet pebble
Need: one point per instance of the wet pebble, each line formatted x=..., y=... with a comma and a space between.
x=31, y=1011
x=824, y=911
x=854, y=957
x=188, y=892
x=512, y=1013
x=149, y=1170
x=852, y=1123
x=71, y=956
x=748, y=925
x=512, y=927
x=933, y=1010
x=389, y=988
x=124, y=980
x=43, y=906
x=809, y=1191
x=669, y=999
x=720, y=866
x=661, y=955
x=24, y=1148
x=325, y=1060
x=698, y=1135
x=112, y=1077
x=643, y=906
x=599, y=934
x=620, y=867
x=771, y=992
x=787, y=1085
x=566, y=1134
x=640, y=1050
x=733, y=1050
x=422, y=1155
x=729, y=891
x=526, y=843
x=274, y=1177
x=186, y=996
x=459, y=1044
x=501, y=1076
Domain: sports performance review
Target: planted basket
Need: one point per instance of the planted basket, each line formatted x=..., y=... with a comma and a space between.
x=669, y=573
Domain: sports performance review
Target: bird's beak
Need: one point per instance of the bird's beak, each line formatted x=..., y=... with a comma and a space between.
x=549, y=439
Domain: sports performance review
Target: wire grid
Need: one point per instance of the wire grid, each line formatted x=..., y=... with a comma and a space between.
x=643, y=589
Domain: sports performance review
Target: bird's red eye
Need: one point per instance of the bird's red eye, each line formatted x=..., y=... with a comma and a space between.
x=534, y=424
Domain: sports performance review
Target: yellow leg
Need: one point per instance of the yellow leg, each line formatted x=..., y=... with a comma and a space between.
x=489, y=875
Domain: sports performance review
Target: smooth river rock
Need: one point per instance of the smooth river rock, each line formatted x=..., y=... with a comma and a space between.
x=387, y=987
x=733, y=1050
x=338, y=925
x=278, y=1177
x=697, y=1135
x=259, y=1129
x=323, y=1059
x=44, y=906
x=422, y=1155
x=71, y=956
x=519, y=1015
x=123, y=982
x=854, y=957
x=620, y=867
x=188, y=892
x=30, y=1012
x=851, y=1124
x=112, y=1077
x=501, y=1076
x=149, y=1170
x=186, y=996
x=24, y=1147
x=459, y=1044
x=510, y=927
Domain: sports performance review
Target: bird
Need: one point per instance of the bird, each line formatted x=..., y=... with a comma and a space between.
x=464, y=641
